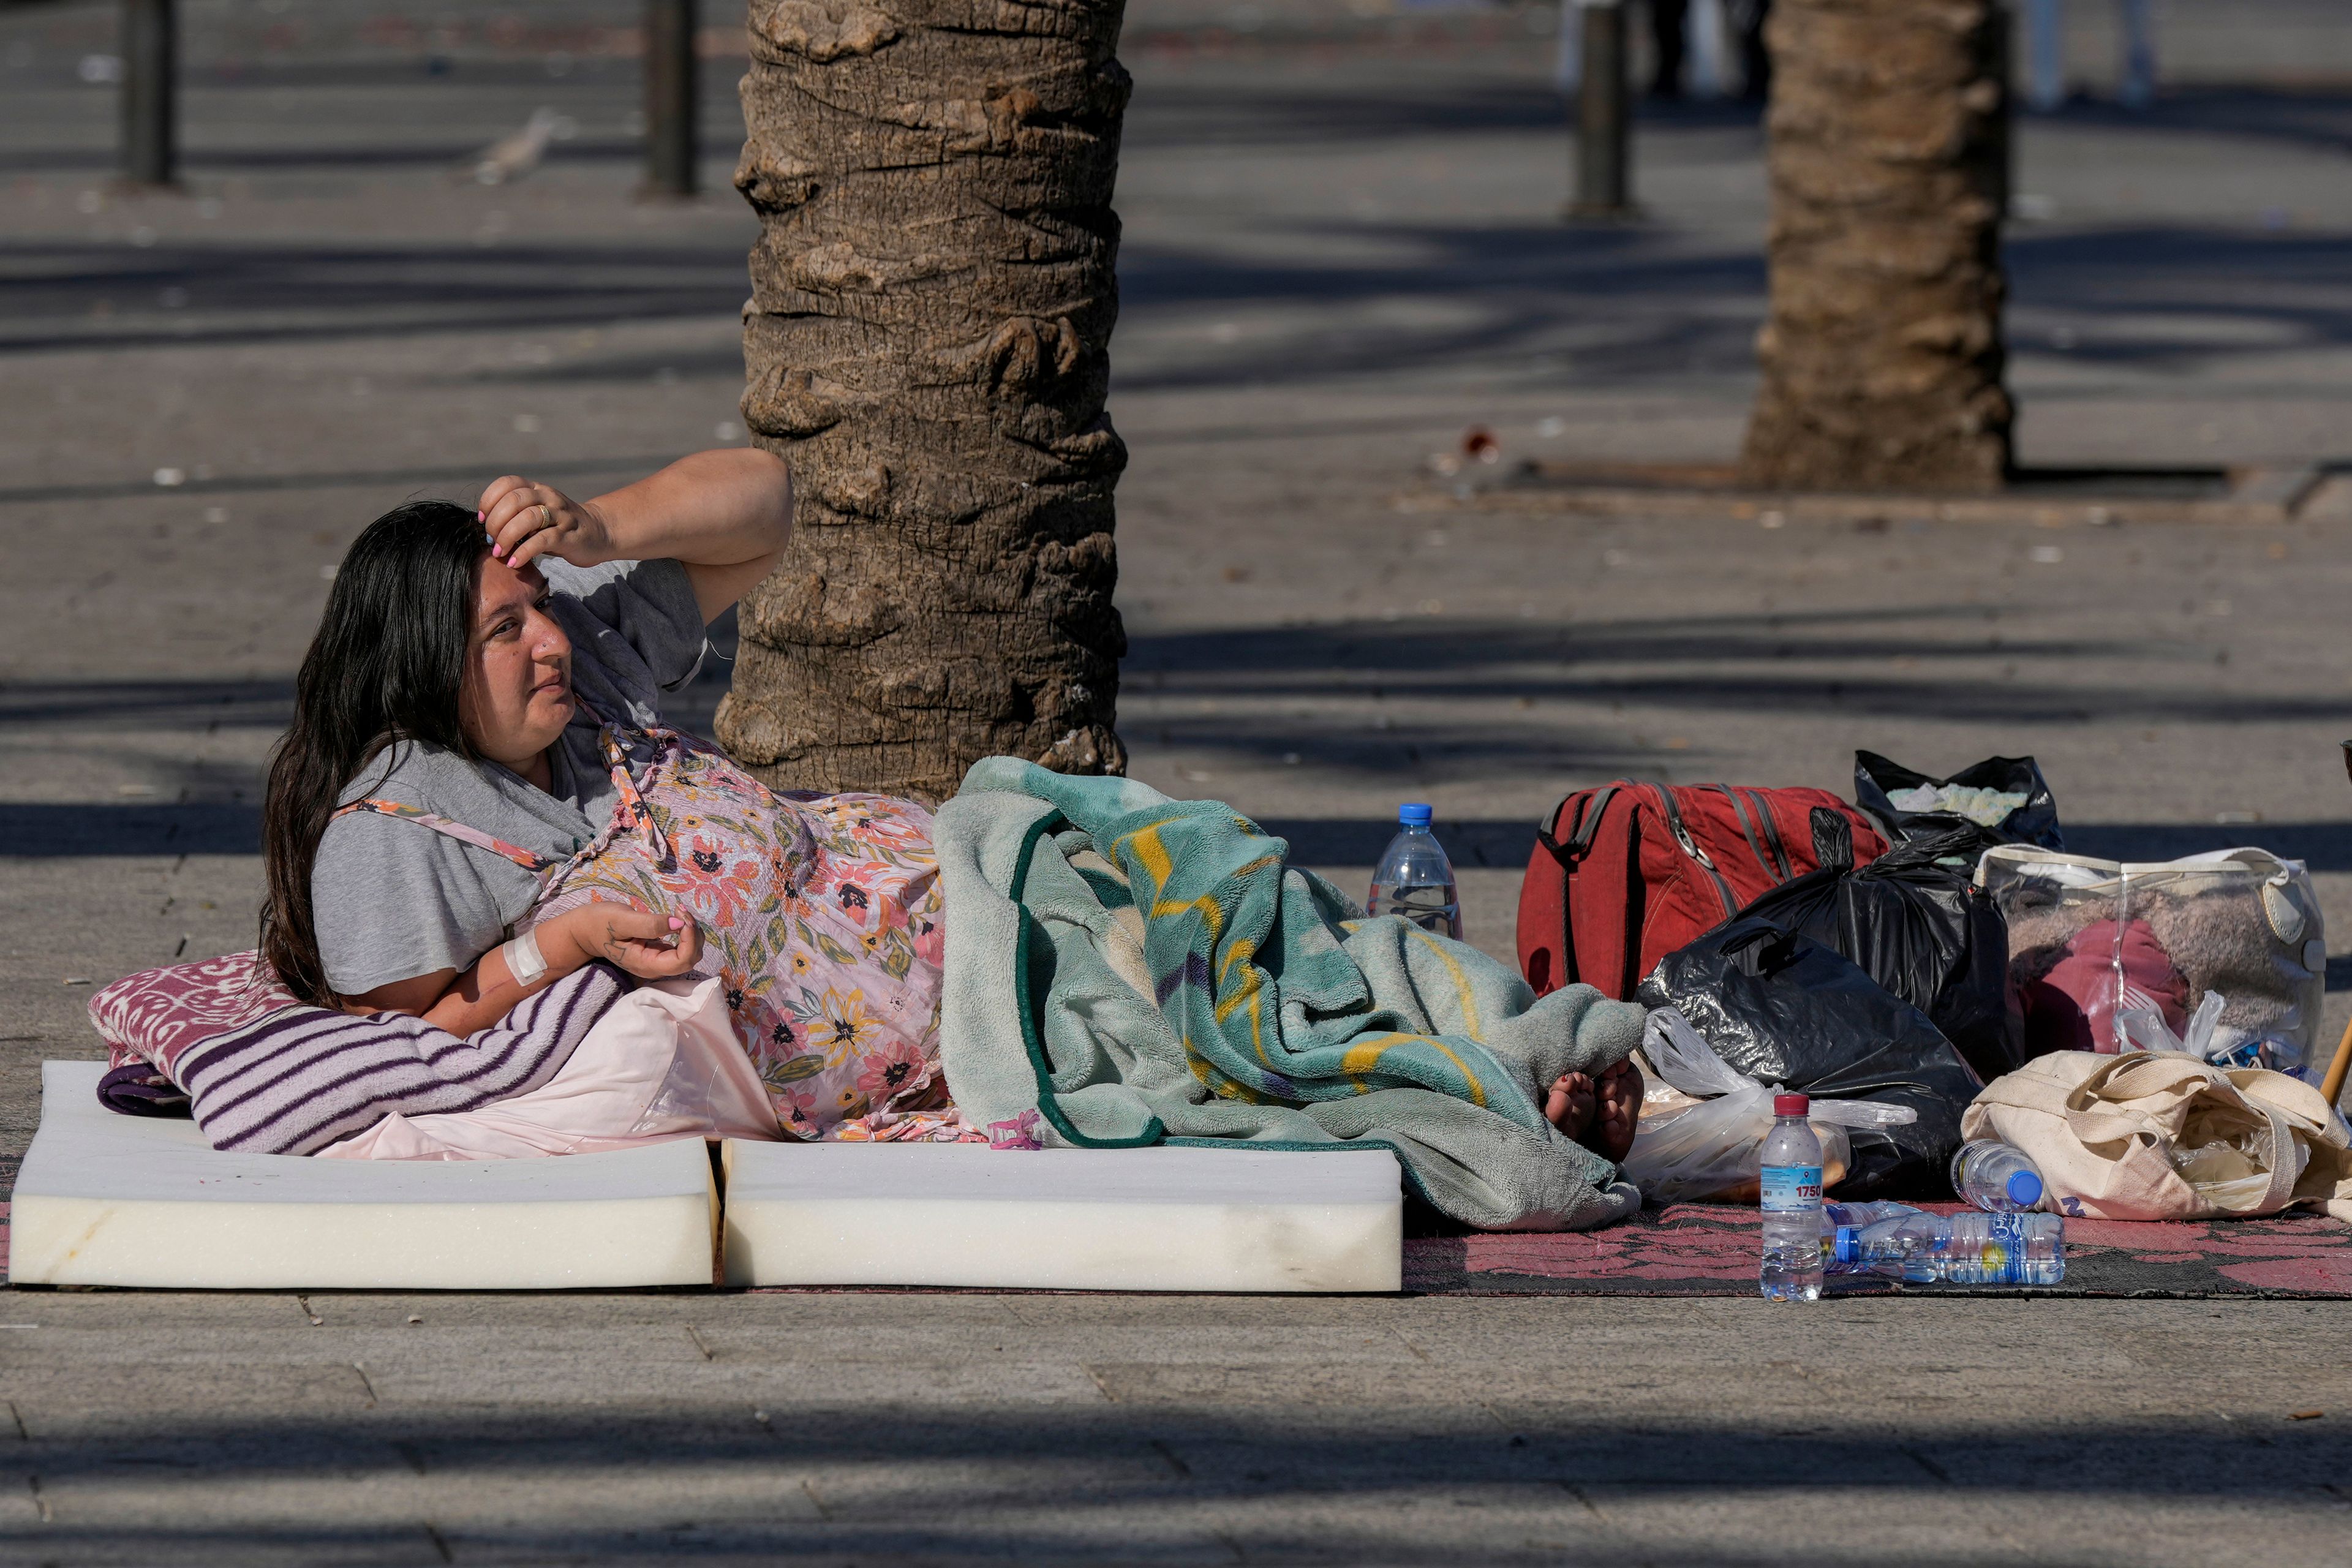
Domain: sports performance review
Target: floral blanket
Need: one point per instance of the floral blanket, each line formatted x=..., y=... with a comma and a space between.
x=822, y=913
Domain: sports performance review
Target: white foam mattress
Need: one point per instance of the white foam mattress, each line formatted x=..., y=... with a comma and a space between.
x=1073, y=1219
x=105, y=1199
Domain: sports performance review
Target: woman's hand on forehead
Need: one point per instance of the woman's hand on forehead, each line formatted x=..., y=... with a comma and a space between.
x=524, y=520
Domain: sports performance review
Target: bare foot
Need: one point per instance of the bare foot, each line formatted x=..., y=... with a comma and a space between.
x=1568, y=1105
x=1616, y=1111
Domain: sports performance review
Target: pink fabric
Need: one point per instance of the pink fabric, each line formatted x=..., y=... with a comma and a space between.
x=153, y=1016
x=2073, y=1006
x=661, y=1063
x=821, y=913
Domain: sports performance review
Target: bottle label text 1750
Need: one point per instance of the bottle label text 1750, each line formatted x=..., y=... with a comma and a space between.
x=1790, y=1187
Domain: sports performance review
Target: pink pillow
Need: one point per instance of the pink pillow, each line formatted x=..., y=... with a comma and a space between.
x=152, y=1016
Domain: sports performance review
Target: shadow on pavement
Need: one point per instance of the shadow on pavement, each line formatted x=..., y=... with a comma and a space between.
x=1627, y=303
x=1519, y=696
x=46, y=830
x=2315, y=119
x=1075, y=1483
x=360, y=291
x=53, y=830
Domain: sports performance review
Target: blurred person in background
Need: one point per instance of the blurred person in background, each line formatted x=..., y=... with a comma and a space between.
x=1687, y=46
x=1755, y=59
x=1687, y=41
x=2045, y=55
x=1669, y=24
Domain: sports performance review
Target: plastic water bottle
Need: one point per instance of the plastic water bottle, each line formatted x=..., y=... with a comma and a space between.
x=1415, y=880
x=1995, y=1177
x=1844, y=1215
x=1792, y=1201
x=1893, y=1240
x=2003, y=1249
x=1965, y=1248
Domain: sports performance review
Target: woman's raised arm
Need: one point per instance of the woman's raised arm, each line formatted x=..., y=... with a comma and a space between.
x=724, y=515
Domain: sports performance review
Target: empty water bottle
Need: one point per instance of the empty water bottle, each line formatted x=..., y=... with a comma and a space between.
x=1995, y=1176
x=1967, y=1248
x=1836, y=1216
x=1415, y=880
x=2003, y=1249
x=1893, y=1240
x=1791, y=1201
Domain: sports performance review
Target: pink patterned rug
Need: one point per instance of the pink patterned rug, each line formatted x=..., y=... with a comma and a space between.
x=1703, y=1249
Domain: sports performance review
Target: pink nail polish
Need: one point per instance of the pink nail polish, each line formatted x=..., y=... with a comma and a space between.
x=675, y=923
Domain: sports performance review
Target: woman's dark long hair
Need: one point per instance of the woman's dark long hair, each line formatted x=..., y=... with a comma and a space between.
x=385, y=666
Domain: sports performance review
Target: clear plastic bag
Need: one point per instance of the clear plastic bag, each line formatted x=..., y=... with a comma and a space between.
x=2143, y=1027
x=1706, y=1151
x=2091, y=944
x=2231, y=1172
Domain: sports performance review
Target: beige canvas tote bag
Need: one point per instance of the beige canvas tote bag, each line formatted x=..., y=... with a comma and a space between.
x=2159, y=1135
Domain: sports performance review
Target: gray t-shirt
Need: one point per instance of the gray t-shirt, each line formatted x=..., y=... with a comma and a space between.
x=393, y=899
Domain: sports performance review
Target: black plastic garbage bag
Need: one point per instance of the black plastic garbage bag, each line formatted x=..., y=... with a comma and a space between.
x=1784, y=1010
x=1922, y=930
x=2036, y=822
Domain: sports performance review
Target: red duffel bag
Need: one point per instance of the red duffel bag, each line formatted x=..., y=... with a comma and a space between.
x=1625, y=874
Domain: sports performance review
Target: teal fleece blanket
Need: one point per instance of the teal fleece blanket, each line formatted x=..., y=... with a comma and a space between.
x=1140, y=969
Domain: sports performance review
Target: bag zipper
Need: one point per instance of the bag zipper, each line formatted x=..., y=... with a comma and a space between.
x=1773, y=837
x=1690, y=847
x=1747, y=826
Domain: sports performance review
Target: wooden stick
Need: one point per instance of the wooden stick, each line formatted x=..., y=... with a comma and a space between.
x=2332, y=1085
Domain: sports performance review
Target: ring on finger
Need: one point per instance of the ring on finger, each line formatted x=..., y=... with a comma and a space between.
x=546, y=518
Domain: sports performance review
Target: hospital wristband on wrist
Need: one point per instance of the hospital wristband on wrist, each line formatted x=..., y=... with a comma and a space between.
x=524, y=961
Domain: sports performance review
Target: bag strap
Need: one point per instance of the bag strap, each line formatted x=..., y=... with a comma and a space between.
x=630, y=812
x=1580, y=841
x=1587, y=823
x=2287, y=1167
x=453, y=829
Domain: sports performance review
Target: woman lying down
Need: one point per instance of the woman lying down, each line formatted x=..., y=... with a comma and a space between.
x=477, y=802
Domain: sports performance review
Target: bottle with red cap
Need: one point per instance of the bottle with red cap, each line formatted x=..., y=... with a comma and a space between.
x=1792, y=1201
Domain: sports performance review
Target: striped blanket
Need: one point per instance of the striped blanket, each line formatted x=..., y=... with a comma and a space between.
x=265, y=1074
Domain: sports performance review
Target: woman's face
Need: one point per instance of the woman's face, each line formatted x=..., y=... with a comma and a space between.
x=517, y=695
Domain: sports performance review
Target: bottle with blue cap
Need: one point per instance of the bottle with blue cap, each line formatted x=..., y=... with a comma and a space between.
x=1996, y=1177
x=1415, y=880
x=1895, y=1241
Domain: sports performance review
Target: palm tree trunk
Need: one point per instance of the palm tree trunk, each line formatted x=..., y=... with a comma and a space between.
x=1882, y=353
x=933, y=296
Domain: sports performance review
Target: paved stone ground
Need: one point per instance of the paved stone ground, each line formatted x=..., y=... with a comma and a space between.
x=1343, y=249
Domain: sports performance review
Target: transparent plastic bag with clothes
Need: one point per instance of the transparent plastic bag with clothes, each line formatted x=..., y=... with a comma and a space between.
x=2098, y=946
